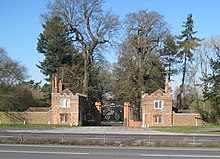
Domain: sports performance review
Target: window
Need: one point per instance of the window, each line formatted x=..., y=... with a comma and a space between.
x=64, y=103
x=158, y=104
x=158, y=119
x=64, y=117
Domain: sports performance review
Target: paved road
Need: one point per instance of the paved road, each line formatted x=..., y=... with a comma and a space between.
x=100, y=130
x=71, y=152
x=91, y=130
x=109, y=134
x=148, y=138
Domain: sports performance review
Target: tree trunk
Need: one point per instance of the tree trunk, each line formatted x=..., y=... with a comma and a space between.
x=183, y=82
x=86, y=74
x=169, y=69
x=140, y=79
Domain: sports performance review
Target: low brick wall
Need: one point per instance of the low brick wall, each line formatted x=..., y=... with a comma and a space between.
x=135, y=124
x=37, y=117
x=177, y=119
x=24, y=117
x=187, y=119
x=12, y=117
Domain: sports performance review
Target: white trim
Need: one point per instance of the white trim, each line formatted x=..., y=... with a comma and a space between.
x=82, y=95
x=147, y=113
x=36, y=112
x=187, y=114
x=143, y=120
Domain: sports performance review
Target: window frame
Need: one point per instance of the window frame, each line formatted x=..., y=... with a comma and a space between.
x=64, y=118
x=159, y=106
x=158, y=119
x=64, y=103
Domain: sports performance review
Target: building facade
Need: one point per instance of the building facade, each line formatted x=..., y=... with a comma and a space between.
x=66, y=108
x=157, y=110
x=69, y=108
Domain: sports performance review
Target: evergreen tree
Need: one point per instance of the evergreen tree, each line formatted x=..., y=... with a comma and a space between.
x=56, y=47
x=187, y=44
x=212, y=91
x=61, y=58
x=169, y=55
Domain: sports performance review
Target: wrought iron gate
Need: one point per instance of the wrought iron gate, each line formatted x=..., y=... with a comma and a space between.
x=112, y=113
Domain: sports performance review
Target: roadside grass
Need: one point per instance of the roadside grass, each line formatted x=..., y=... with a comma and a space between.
x=81, y=142
x=188, y=129
x=31, y=126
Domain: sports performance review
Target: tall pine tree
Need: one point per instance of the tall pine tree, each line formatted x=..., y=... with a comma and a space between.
x=60, y=57
x=56, y=47
x=169, y=55
x=187, y=44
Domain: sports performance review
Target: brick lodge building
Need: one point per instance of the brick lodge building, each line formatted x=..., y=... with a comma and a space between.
x=157, y=110
x=69, y=108
x=66, y=108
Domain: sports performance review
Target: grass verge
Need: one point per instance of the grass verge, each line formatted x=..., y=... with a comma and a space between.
x=189, y=129
x=82, y=142
x=31, y=126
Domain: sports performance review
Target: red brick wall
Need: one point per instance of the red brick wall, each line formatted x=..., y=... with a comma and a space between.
x=98, y=110
x=127, y=110
x=135, y=123
x=186, y=119
x=25, y=117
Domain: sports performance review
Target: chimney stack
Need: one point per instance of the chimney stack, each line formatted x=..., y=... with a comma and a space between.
x=55, y=84
x=167, y=85
x=60, y=86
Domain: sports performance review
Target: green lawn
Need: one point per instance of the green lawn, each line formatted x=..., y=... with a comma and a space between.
x=31, y=126
x=189, y=129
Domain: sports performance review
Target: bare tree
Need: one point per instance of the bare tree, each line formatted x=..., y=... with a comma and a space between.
x=139, y=68
x=11, y=71
x=13, y=96
x=89, y=26
x=146, y=30
x=206, y=51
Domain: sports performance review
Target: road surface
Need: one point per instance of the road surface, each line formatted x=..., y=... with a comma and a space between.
x=99, y=137
x=72, y=152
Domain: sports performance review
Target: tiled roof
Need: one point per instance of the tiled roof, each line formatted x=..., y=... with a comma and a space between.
x=158, y=92
x=66, y=91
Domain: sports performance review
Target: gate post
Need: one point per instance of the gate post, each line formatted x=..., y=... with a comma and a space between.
x=98, y=109
x=126, y=113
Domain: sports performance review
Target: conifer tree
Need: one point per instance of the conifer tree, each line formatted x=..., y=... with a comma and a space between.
x=60, y=57
x=212, y=91
x=187, y=44
x=169, y=55
x=54, y=44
